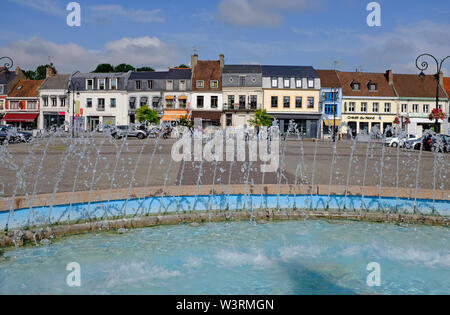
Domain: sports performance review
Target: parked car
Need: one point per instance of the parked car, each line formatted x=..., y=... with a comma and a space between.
x=3, y=137
x=414, y=144
x=15, y=136
x=399, y=140
x=128, y=131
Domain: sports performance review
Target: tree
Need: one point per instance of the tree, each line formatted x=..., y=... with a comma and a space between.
x=186, y=122
x=124, y=68
x=262, y=119
x=30, y=74
x=145, y=69
x=41, y=71
x=183, y=66
x=104, y=68
x=147, y=115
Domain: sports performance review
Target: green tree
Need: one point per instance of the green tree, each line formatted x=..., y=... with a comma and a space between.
x=145, y=69
x=104, y=68
x=30, y=74
x=123, y=67
x=147, y=115
x=183, y=66
x=41, y=71
x=186, y=122
x=262, y=119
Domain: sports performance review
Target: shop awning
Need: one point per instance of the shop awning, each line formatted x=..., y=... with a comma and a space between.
x=207, y=115
x=330, y=123
x=174, y=115
x=170, y=98
x=182, y=98
x=20, y=117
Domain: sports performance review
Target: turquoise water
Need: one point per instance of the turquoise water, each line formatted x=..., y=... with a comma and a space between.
x=295, y=257
x=153, y=205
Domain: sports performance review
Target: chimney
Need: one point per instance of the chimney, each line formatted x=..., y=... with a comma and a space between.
x=356, y=70
x=49, y=72
x=441, y=79
x=222, y=61
x=390, y=77
x=194, y=61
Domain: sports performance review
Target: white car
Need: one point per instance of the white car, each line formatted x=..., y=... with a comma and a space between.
x=399, y=141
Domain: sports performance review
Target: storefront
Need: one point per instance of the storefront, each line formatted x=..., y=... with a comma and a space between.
x=53, y=119
x=25, y=121
x=308, y=125
x=209, y=118
x=174, y=115
x=356, y=124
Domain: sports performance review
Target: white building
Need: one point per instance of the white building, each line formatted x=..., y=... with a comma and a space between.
x=54, y=110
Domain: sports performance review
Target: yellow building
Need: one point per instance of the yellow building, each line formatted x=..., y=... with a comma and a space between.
x=293, y=94
x=369, y=100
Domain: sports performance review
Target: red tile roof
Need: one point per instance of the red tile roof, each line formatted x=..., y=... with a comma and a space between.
x=329, y=79
x=384, y=89
x=207, y=70
x=447, y=86
x=26, y=88
x=412, y=85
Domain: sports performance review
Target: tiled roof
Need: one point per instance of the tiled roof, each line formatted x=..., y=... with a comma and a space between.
x=26, y=88
x=289, y=71
x=447, y=86
x=412, y=85
x=242, y=69
x=56, y=82
x=384, y=89
x=329, y=79
x=207, y=70
x=172, y=74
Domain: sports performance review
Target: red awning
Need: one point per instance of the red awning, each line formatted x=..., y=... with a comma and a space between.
x=20, y=117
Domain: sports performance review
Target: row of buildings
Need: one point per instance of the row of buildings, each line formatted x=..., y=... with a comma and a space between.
x=228, y=95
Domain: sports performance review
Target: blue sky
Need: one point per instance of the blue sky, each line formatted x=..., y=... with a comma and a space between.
x=165, y=33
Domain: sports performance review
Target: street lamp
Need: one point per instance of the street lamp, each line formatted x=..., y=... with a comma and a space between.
x=7, y=65
x=423, y=66
x=73, y=86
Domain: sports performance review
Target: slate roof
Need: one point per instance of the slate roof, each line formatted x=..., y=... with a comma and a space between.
x=289, y=71
x=242, y=69
x=172, y=74
x=329, y=79
x=411, y=85
x=57, y=82
x=4, y=79
x=29, y=88
x=384, y=89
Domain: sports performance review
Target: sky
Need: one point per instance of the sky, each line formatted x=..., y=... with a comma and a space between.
x=325, y=34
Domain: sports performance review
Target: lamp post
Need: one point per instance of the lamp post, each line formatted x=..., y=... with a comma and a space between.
x=423, y=66
x=73, y=86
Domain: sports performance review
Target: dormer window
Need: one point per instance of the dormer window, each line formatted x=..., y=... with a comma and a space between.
x=287, y=83
x=113, y=84
x=89, y=84
x=138, y=85
x=310, y=83
x=356, y=86
x=298, y=83
x=200, y=84
x=372, y=87
x=214, y=84
x=274, y=82
x=101, y=84
x=169, y=84
x=19, y=88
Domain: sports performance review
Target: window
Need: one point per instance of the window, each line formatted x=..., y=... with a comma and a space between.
x=351, y=106
x=2, y=89
x=89, y=103
x=214, y=84
x=113, y=84
x=372, y=87
x=356, y=86
x=253, y=101
x=229, y=120
x=241, y=81
x=200, y=84
x=101, y=84
x=150, y=84
x=113, y=103
x=2, y=104
x=138, y=85
x=330, y=109
x=286, y=102
x=63, y=101
x=310, y=83
x=375, y=107
x=426, y=108
x=404, y=108
x=387, y=107
x=331, y=96
x=101, y=104
x=274, y=82
x=415, y=108
x=287, y=83
x=230, y=100
x=298, y=102
x=200, y=101
x=274, y=101
x=14, y=105
x=182, y=85
x=45, y=101
x=32, y=105
x=298, y=83
x=310, y=102
x=169, y=85
x=364, y=107
x=54, y=101
x=242, y=101
x=183, y=103
x=90, y=85
x=214, y=101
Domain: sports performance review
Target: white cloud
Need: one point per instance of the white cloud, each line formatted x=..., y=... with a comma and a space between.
x=46, y=6
x=107, y=12
x=260, y=12
x=69, y=57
